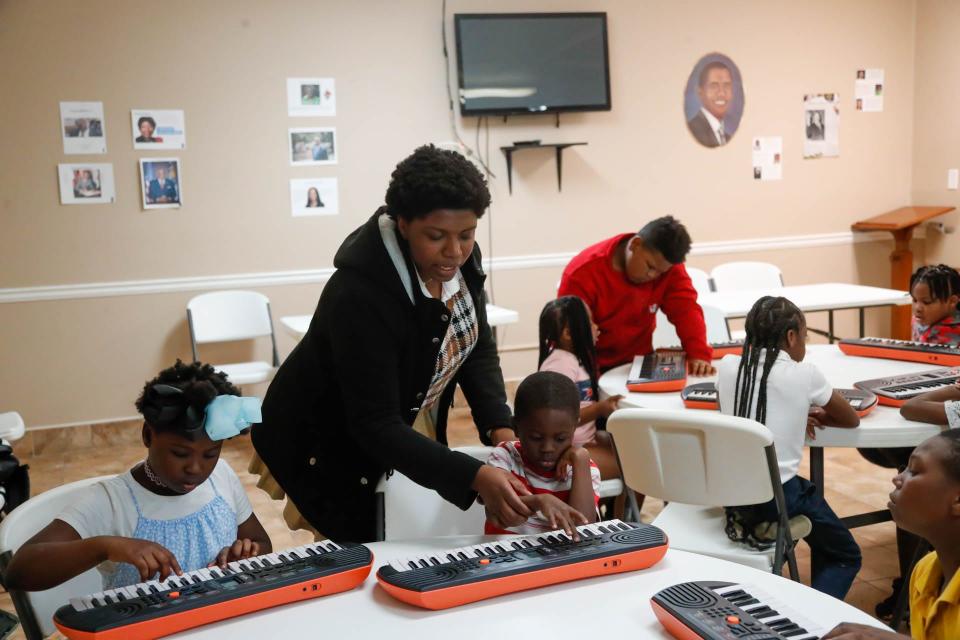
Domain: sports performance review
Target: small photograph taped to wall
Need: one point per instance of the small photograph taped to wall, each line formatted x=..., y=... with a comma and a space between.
x=86, y=183
x=314, y=197
x=313, y=146
x=161, y=183
x=821, y=113
x=311, y=97
x=158, y=129
x=767, y=158
x=868, y=90
x=81, y=124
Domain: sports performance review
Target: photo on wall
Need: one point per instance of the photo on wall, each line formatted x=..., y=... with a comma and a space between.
x=311, y=97
x=160, y=183
x=82, y=128
x=313, y=146
x=158, y=129
x=821, y=113
x=713, y=100
x=86, y=183
x=868, y=90
x=767, y=158
x=314, y=197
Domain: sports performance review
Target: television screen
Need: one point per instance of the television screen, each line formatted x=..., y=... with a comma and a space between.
x=532, y=62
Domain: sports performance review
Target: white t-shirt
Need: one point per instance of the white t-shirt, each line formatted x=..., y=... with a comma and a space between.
x=107, y=509
x=792, y=388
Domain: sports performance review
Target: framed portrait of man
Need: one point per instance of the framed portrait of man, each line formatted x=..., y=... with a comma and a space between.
x=160, y=183
x=714, y=100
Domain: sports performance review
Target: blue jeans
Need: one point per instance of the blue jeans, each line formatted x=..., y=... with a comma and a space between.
x=835, y=554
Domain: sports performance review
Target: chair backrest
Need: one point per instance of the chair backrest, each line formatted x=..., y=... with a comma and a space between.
x=11, y=426
x=701, y=281
x=665, y=334
x=717, y=328
x=222, y=316
x=737, y=276
x=694, y=457
x=36, y=608
x=405, y=510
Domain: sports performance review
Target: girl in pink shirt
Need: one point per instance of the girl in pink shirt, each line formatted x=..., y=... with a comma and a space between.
x=568, y=339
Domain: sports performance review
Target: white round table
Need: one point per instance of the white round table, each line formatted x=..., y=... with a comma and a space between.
x=596, y=607
x=884, y=427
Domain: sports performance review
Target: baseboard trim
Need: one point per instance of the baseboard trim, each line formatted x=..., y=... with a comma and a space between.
x=320, y=276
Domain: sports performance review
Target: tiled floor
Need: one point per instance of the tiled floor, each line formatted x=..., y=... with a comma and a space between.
x=55, y=458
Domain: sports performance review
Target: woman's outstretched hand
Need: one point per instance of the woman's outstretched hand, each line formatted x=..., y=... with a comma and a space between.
x=500, y=493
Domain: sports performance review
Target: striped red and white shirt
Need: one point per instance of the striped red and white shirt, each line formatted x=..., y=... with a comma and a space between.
x=509, y=456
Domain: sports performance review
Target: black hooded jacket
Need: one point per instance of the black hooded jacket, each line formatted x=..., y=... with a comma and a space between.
x=339, y=412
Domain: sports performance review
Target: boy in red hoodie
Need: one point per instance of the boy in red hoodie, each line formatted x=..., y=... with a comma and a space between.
x=626, y=279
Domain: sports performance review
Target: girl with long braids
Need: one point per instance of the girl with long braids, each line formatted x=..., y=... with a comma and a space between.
x=771, y=384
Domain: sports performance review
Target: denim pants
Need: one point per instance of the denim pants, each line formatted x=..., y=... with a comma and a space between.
x=835, y=554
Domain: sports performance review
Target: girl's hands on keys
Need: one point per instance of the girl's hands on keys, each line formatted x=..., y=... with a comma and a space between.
x=500, y=493
x=815, y=418
x=608, y=405
x=148, y=557
x=239, y=550
x=560, y=515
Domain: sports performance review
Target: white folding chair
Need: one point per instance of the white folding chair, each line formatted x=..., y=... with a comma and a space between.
x=35, y=609
x=738, y=276
x=225, y=316
x=700, y=279
x=665, y=334
x=406, y=510
x=11, y=426
x=698, y=462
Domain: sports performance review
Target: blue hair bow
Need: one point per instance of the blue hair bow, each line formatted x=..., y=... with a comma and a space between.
x=227, y=416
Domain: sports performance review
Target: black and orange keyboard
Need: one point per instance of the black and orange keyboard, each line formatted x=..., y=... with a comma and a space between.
x=458, y=576
x=720, y=349
x=942, y=354
x=727, y=611
x=896, y=390
x=662, y=370
x=703, y=395
x=153, y=609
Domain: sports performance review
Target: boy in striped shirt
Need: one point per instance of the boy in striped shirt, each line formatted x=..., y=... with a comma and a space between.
x=563, y=481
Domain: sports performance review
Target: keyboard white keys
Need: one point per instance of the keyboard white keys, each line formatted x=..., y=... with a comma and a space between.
x=488, y=549
x=784, y=612
x=78, y=604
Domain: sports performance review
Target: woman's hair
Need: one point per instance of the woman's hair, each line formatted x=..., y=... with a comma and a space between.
x=176, y=399
x=951, y=462
x=767, y=325
x=943, y=281
x=431, y=179
x=546, y=390
x=316, y=191
x=569, y=312
x=153, y=123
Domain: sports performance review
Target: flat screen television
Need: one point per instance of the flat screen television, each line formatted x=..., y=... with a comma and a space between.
x=512, y=63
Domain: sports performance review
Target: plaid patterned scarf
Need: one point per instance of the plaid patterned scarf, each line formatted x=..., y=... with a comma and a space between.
x=457, y=344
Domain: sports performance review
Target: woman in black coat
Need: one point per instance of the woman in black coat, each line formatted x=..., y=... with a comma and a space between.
x=400, y=323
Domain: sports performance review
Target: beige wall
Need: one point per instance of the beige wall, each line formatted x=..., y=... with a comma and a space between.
x=936, y=137
x=225, y=64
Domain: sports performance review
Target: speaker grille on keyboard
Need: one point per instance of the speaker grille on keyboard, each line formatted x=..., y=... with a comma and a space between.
x=688, y=595
x=641, y=536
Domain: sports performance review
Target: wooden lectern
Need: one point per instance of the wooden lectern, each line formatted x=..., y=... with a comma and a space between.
x=900, y=222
